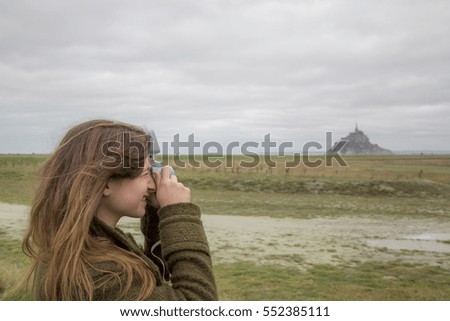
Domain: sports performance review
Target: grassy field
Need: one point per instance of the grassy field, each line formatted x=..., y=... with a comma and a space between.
x=18, y=177
x=374, y=186
x=366, y=281
x=13, y=265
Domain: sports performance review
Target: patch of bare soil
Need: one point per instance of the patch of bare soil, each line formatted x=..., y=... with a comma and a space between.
x=302, y=242
x=13, y=219
x=343, y=240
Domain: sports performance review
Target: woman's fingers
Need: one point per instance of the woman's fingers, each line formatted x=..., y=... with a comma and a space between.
x=169, y=191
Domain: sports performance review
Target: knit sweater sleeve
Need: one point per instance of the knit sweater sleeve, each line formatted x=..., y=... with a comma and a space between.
x=185, y=249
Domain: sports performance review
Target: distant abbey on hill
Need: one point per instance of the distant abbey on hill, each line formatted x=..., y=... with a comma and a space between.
x=358, y=144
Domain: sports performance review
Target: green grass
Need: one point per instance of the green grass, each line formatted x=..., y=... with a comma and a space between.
x=372, y=176
x=18, y=177
x=249, y=182
x=317, y=205
x=13, y=266
x=432, y=168
x=365, y=281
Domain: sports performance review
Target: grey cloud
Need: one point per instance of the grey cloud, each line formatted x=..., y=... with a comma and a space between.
x=296, y=68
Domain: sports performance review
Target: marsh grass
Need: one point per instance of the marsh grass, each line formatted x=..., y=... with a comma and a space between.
x=371, y=176
x=13, y=266
x=391, y=281
x=18, y=177
x=433, y=168
x=309, y=205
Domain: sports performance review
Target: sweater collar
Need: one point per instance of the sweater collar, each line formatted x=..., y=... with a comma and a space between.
x=115, y=234
x=119, y=238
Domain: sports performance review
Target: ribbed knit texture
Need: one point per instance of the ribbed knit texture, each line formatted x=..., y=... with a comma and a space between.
x=184, y=248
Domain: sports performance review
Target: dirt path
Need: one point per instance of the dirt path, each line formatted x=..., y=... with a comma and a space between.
x=13, y=219
x=299, y=242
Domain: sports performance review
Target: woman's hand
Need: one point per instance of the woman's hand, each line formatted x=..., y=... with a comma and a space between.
x=168, y=190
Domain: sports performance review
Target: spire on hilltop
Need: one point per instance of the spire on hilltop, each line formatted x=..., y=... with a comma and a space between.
x=357, y=143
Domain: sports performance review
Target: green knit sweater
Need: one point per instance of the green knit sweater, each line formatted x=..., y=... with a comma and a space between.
x=184, y=248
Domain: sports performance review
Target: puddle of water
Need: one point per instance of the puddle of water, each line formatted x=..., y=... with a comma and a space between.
x=412, y=245
x=429, y=237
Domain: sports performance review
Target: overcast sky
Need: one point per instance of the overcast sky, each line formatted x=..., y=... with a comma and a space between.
x=227, y=70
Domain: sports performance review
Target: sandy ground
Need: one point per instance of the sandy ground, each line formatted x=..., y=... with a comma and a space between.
x=301, y=242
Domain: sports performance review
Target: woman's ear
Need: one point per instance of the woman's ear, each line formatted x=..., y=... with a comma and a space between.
x=107, y=191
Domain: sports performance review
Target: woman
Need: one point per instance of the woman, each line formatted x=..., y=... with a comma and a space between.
x=98, y=174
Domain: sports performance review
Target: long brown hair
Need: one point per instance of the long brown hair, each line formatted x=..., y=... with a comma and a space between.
x=72, y=185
